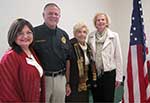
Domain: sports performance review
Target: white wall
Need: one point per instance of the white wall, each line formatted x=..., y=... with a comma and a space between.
x=72, y=12
x=121, y=22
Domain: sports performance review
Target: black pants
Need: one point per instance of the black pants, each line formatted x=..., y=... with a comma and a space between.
x=104, y=92
x=80, y=97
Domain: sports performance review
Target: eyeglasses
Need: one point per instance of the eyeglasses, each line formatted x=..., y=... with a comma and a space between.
x=23, y=33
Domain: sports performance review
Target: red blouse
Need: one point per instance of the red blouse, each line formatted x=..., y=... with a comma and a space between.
x=19, y=81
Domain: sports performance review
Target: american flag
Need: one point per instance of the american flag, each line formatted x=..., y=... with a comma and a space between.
x=136, y=82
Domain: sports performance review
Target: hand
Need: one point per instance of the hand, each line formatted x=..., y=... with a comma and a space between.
x=94, y=84
x=117, y=84
x=68, y=90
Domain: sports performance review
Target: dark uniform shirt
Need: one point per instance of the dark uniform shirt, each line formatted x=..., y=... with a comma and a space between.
x=52, y=47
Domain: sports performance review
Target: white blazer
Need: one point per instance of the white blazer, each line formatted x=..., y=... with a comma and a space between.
x=111, y=53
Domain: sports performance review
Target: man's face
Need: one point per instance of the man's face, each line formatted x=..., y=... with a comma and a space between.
x=51, y=16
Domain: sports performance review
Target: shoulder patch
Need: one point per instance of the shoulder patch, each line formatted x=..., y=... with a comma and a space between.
x=63, y=39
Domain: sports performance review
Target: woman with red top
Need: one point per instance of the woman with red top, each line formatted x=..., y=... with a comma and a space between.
x=21, y=76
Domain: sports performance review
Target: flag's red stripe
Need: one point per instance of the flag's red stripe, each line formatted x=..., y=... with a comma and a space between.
x=141, y=78
x=130, y=77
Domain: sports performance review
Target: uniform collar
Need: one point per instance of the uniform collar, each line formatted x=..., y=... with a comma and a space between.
x=50, y=28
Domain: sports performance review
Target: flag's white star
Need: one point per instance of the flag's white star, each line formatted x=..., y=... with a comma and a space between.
x=134, y=28
x=142, y=23
x=141, y=16
x=139, y=2
x=133, y=18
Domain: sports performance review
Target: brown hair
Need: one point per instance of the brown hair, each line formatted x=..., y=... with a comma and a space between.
x=14, y=29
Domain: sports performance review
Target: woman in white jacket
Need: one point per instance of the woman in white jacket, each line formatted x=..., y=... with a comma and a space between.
x=106, y=49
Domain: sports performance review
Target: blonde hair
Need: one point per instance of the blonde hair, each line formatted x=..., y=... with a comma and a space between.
x=79, y=26
x=106, y=16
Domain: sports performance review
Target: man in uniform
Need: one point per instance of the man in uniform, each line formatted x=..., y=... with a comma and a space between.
x=52, y=48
